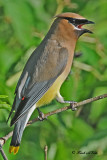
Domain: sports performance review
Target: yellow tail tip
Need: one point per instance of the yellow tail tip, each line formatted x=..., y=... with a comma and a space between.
x=13, y=149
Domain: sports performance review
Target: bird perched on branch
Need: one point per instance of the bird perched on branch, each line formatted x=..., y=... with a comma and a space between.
x=45, y=71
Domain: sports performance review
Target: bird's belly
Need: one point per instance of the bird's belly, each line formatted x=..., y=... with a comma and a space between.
x=51, y=93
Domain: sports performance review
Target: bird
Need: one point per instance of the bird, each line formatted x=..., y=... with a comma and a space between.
x=45, y=71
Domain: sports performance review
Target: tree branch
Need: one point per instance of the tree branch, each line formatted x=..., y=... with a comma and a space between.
x=2, y=153
x=75, y=105
x=45, y=151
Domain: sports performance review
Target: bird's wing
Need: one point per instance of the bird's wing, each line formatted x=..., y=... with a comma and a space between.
x=37, y=81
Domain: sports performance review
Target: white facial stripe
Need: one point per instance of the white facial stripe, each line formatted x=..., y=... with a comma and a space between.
x=22, y=84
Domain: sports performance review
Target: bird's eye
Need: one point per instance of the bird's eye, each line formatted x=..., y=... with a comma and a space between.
x=73, y=21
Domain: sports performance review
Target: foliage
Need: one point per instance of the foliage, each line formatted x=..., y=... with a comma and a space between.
x=23, y=24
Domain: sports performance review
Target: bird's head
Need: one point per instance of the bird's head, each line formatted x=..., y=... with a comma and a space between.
x=74, y=22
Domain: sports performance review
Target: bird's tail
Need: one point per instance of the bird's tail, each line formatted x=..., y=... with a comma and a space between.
x=18, y=131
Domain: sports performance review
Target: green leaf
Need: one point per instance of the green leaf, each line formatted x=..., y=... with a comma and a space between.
x=4, y=105
x=102, y=124
x=98, y=107
x=81, y=130
x=22, y=20
x=3, y=96
x=98, y=142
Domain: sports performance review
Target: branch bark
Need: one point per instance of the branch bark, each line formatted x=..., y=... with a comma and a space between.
x=2, y=153
x=45, y=151
x=75, y=105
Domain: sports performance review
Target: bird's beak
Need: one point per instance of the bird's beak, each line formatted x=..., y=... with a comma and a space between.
x=89, y=22
x=86, y=30
x=83, y=30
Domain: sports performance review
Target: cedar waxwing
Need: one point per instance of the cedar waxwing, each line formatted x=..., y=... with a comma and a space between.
x=45, y=71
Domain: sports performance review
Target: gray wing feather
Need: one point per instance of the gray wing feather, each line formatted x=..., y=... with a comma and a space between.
x=43, y=74
x=19, y=128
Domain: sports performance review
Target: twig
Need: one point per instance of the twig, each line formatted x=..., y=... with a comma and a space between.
x=2, y=153
x=45, y=151
x=76, y=105
x=5, y=138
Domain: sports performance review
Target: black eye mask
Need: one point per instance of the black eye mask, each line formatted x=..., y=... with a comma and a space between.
x=77, y=22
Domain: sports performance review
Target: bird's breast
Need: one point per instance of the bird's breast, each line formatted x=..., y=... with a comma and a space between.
x=53, y=90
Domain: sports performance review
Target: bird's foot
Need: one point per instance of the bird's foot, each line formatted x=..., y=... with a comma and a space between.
x=41, y=116
x=72, y=105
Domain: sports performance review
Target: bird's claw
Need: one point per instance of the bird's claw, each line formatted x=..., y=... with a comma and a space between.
x=41, y=116
x=72, y=105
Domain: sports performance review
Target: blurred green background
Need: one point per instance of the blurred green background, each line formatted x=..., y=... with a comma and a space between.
x=23, y=24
